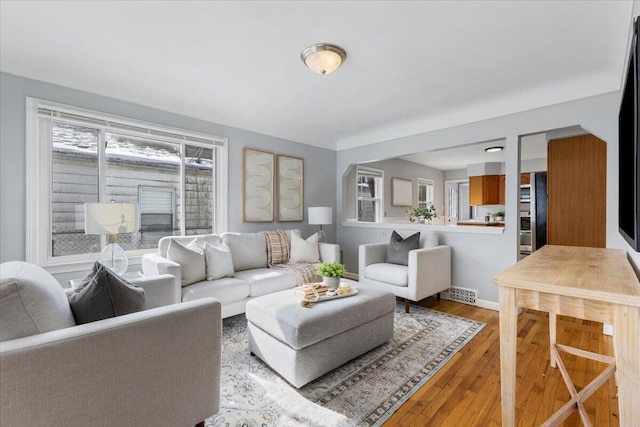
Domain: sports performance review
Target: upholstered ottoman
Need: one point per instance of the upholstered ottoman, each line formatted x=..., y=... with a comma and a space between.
x=302, y=344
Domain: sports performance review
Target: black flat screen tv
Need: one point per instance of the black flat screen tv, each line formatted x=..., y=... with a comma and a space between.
x=629, y=151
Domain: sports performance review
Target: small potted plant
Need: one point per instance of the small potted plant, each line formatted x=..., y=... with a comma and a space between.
x=498, y=216
x=331, y=273
x=422, y=215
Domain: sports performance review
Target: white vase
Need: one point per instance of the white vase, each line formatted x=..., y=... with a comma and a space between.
x=331, y=282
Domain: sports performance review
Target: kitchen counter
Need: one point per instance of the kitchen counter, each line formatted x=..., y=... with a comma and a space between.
x=482, y=223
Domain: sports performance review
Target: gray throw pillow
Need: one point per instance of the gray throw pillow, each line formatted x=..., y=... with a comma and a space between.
x=104, y=294
x=398, y=252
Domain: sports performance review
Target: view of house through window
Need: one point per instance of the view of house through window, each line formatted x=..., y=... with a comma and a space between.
x=169, y=177
x=369, y=194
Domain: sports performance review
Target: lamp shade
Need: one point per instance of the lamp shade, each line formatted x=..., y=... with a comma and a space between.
x=320, y=215
x=110, y=218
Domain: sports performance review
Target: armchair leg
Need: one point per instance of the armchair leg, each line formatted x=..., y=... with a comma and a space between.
x=406, y=305
x=438, y=296
x=200, y=424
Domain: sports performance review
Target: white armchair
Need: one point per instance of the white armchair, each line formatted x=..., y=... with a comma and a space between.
x=427, y=273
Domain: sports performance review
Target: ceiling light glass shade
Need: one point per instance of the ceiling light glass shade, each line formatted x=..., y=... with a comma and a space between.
x=323, y=58
x=493, y=149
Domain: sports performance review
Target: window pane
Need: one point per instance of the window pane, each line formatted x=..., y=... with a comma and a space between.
x=74, y=181
x=134, y=165
x=367, y=210
x=198, y=190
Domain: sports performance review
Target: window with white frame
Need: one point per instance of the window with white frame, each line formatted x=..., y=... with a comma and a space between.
x=369, y=194
x=177, y=178
x=425, y=193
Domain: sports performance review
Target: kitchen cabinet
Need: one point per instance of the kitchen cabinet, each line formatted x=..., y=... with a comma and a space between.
x=525, y=178
x=502, y=180
x=484, y=190
x=577, y=189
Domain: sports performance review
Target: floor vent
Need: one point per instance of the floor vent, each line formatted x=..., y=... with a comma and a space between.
x=467, y=296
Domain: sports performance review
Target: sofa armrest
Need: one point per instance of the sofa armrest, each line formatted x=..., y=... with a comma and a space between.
x=429, y=271
x=159, y=290
x=371, y=253
x=329, y=252
x=155, y=265
x=117, y=371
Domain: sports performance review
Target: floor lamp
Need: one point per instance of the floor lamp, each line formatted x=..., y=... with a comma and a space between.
x=320, y=216
x=111, y=219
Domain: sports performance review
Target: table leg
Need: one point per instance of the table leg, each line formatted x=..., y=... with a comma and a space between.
x=553, y=327
x=508, y=343
x=626, y=345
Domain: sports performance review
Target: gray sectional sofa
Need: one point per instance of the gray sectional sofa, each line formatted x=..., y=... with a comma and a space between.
x=252, y=276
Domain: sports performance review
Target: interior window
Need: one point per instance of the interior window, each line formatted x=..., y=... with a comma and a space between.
x=369, y=194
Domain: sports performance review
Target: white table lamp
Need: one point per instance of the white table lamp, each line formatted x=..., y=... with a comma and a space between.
x=111, y=219
x=320, y=215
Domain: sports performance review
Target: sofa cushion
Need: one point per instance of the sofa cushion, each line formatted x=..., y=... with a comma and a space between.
x=248, y=250
x=191, y=260
x=218, y=261
x=264, y=281
x=393, y=274
x=226, y=290
x=398, y=250
x=304, y=250
x=103, y=294
x=163, y=244
x=31, y=301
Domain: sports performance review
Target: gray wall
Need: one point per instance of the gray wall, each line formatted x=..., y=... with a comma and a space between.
x=397, y=168
x=319, y=165
x=477, y=258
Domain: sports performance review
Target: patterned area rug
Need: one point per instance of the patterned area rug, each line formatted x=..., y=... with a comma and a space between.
x=364, y=392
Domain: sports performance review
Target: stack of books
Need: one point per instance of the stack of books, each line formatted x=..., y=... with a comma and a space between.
x=310, y=291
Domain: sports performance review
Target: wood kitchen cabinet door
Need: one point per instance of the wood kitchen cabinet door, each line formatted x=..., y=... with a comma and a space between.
x=502, y=184
x=484, y=190
x=577, y=189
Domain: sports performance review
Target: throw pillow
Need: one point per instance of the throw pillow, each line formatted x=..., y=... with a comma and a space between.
x=31, y=301
x=398, y=252
x=249, y=250
x=219, y=261
x=304, y=250
x=190, y=258
x=104, y=294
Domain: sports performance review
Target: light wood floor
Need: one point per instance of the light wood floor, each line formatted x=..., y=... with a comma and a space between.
x=466, y=392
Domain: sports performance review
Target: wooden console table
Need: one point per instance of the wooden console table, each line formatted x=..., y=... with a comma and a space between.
x=587, y=283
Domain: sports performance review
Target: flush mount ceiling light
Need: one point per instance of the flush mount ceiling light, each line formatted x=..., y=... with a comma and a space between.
x=323, y=58
x=494, y=149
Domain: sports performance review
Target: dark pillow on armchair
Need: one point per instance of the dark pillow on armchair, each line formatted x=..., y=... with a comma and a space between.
x=104, y=294
x=398, y=252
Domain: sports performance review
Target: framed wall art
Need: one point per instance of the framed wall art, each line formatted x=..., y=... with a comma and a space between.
x=401, y=192
x=257, y=184
x=290, y=172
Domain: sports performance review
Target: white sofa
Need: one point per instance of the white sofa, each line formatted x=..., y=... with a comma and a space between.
x=427, y=273
x=154, y=367
x=252, y=276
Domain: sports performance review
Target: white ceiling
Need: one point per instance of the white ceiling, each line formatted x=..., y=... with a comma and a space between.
x=411, y=66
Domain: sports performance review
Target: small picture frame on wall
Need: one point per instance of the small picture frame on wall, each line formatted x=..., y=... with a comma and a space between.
x=257, y=185
x=290, y=172
x=401, y=192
